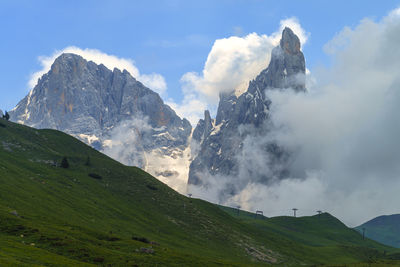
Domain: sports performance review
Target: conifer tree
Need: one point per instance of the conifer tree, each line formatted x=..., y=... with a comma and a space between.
x=6, y=116
x=64, y=163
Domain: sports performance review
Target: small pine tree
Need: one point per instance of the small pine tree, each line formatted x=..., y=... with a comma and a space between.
x=64, y=163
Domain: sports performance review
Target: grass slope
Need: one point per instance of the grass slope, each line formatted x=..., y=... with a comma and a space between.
x=384, y=229
x=318, y=239
x=125, y=217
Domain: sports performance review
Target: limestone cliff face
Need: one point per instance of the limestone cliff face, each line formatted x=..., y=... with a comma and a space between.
x=99, y=106
x=247, y=115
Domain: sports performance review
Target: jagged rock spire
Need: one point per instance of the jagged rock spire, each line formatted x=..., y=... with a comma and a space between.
x=286, y=68
x=246, y=115
x=290, y=43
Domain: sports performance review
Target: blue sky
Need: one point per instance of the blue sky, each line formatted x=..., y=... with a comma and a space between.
x=165, y=37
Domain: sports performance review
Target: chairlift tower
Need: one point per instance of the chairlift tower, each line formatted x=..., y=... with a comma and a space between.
x=294, y=212
x=259, y=212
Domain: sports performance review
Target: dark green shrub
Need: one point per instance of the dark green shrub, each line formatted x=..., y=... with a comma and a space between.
x=95, y=176
x=151, y=187
x=64, y=163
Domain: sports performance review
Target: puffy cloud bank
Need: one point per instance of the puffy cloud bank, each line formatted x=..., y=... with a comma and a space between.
x=343, y=134
x=230, y=65
x=154, y=81
x=126, y=142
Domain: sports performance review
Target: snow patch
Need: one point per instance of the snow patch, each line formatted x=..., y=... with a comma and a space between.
x=166, y=135
x=216, y=129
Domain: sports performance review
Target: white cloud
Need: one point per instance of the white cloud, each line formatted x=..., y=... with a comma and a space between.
x=345, y=130
x=175, y=164
x=125, y=141
x=294, y=24
x=154, y=81
x=190, y=108
x=230, y=65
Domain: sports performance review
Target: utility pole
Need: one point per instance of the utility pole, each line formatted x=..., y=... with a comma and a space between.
x=363, y=233
x=294, y=211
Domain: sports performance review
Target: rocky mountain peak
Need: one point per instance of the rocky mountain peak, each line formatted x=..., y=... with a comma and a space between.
x=286, y=68
x=108, y=109
x=68, y=62
x=290, y=43
x=223, y=151
x=203, y=128
x=68, y=57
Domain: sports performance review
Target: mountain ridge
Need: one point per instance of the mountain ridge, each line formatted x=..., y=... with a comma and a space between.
x=384, y=229
x=109, y=110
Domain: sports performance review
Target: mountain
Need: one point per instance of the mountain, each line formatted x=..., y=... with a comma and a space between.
x=384, y=229
x=118, y=115
x=100, y=212
x=228, y=145
x=109, y=110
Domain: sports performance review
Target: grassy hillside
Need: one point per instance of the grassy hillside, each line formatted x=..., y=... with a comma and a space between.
x=384, y=229
x=105, y=213
x=323, y=238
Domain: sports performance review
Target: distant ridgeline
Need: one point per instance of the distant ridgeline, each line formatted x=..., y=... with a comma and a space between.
x=384, y=229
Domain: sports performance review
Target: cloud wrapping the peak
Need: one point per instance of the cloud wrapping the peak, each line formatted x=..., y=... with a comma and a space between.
x=343, y=134
x=230, y=65
x=154, y=81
